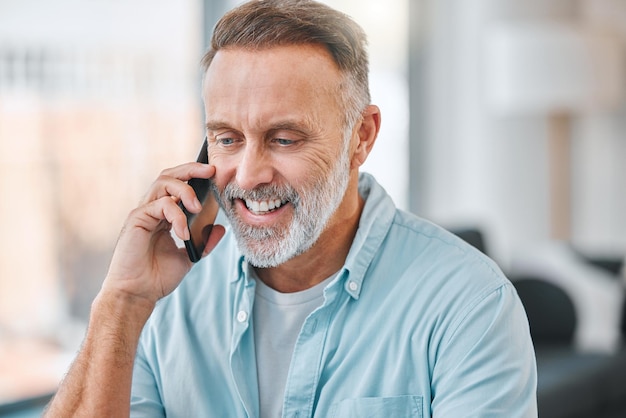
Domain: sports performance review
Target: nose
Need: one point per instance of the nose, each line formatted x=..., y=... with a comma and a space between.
x=254, y=167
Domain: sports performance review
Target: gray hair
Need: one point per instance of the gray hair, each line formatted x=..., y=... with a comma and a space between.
x=260, y=24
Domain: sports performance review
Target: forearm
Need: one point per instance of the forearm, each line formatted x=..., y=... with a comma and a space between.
x=99, y=381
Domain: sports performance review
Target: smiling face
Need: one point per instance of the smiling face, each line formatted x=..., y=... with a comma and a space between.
x=276, y=136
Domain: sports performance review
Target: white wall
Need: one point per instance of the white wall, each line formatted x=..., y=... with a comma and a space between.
x=491, y=170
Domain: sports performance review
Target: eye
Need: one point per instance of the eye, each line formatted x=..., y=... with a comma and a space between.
x=225, y=141
x=284, y=141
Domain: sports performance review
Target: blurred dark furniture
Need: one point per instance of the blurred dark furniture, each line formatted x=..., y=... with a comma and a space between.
x=571, y=384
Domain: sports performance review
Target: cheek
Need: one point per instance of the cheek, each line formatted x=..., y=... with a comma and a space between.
x=225, y=169
x=304, y=169
x=324, y=157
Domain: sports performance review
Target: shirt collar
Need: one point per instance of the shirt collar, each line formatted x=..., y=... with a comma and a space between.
x=376, y=219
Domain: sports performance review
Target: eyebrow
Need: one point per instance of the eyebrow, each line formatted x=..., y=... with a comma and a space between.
x=302, y=126
x=215, y=125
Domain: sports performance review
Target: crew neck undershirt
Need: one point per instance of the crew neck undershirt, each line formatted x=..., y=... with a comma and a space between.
x=278, y=319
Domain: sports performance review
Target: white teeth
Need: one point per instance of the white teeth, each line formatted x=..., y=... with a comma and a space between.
x=260, y=206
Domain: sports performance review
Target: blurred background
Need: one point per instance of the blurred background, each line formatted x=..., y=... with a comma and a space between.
x=506, y=118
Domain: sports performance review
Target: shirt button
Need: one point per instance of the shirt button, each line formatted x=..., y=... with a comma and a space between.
x=242, y=316
x=353, y=286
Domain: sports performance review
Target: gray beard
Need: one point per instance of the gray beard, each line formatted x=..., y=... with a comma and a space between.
x=313, y=207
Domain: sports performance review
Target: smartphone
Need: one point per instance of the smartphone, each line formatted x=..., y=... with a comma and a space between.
x=200, y=224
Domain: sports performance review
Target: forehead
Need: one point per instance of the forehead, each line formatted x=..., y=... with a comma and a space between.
x=269, y=82
x=301, y=57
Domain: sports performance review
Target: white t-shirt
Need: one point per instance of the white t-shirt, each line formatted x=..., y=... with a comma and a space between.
x=278, y=319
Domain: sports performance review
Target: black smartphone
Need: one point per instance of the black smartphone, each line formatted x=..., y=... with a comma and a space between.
x=200, y=224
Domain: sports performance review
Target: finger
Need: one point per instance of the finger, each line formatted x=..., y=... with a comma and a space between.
x=163, y=209
x=217, y=232
x=177, y=191
x=188, y=171
x=172, y=182
x=177, y=218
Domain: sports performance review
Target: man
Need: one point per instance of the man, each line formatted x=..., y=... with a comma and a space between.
x=321, y=299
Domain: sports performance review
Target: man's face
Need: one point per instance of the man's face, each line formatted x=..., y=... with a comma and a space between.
x=276, y=138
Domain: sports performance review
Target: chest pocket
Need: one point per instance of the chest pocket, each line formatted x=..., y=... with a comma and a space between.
x=394, y=406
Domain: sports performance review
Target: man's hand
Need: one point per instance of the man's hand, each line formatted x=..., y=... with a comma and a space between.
x=147, y=263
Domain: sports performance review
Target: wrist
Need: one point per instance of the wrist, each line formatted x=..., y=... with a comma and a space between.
x=121, y=309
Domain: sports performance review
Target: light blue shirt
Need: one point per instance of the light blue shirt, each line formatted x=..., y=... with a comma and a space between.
x=416, y=324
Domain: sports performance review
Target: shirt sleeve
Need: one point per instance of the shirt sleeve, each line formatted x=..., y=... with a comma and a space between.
x=145, y=400
x=486, y=364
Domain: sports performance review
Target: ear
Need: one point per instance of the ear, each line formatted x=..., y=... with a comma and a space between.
x=366, y=135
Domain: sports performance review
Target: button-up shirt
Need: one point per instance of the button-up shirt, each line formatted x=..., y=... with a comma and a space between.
x=417, y=323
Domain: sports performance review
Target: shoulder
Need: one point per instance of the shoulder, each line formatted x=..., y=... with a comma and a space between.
x=404, y=241
x=442, y=279
x=425, y=247
x=418, y=259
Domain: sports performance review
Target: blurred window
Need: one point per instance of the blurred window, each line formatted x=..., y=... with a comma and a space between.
x=96, y=97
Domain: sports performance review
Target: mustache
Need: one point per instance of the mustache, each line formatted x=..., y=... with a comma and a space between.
x=262, y=192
